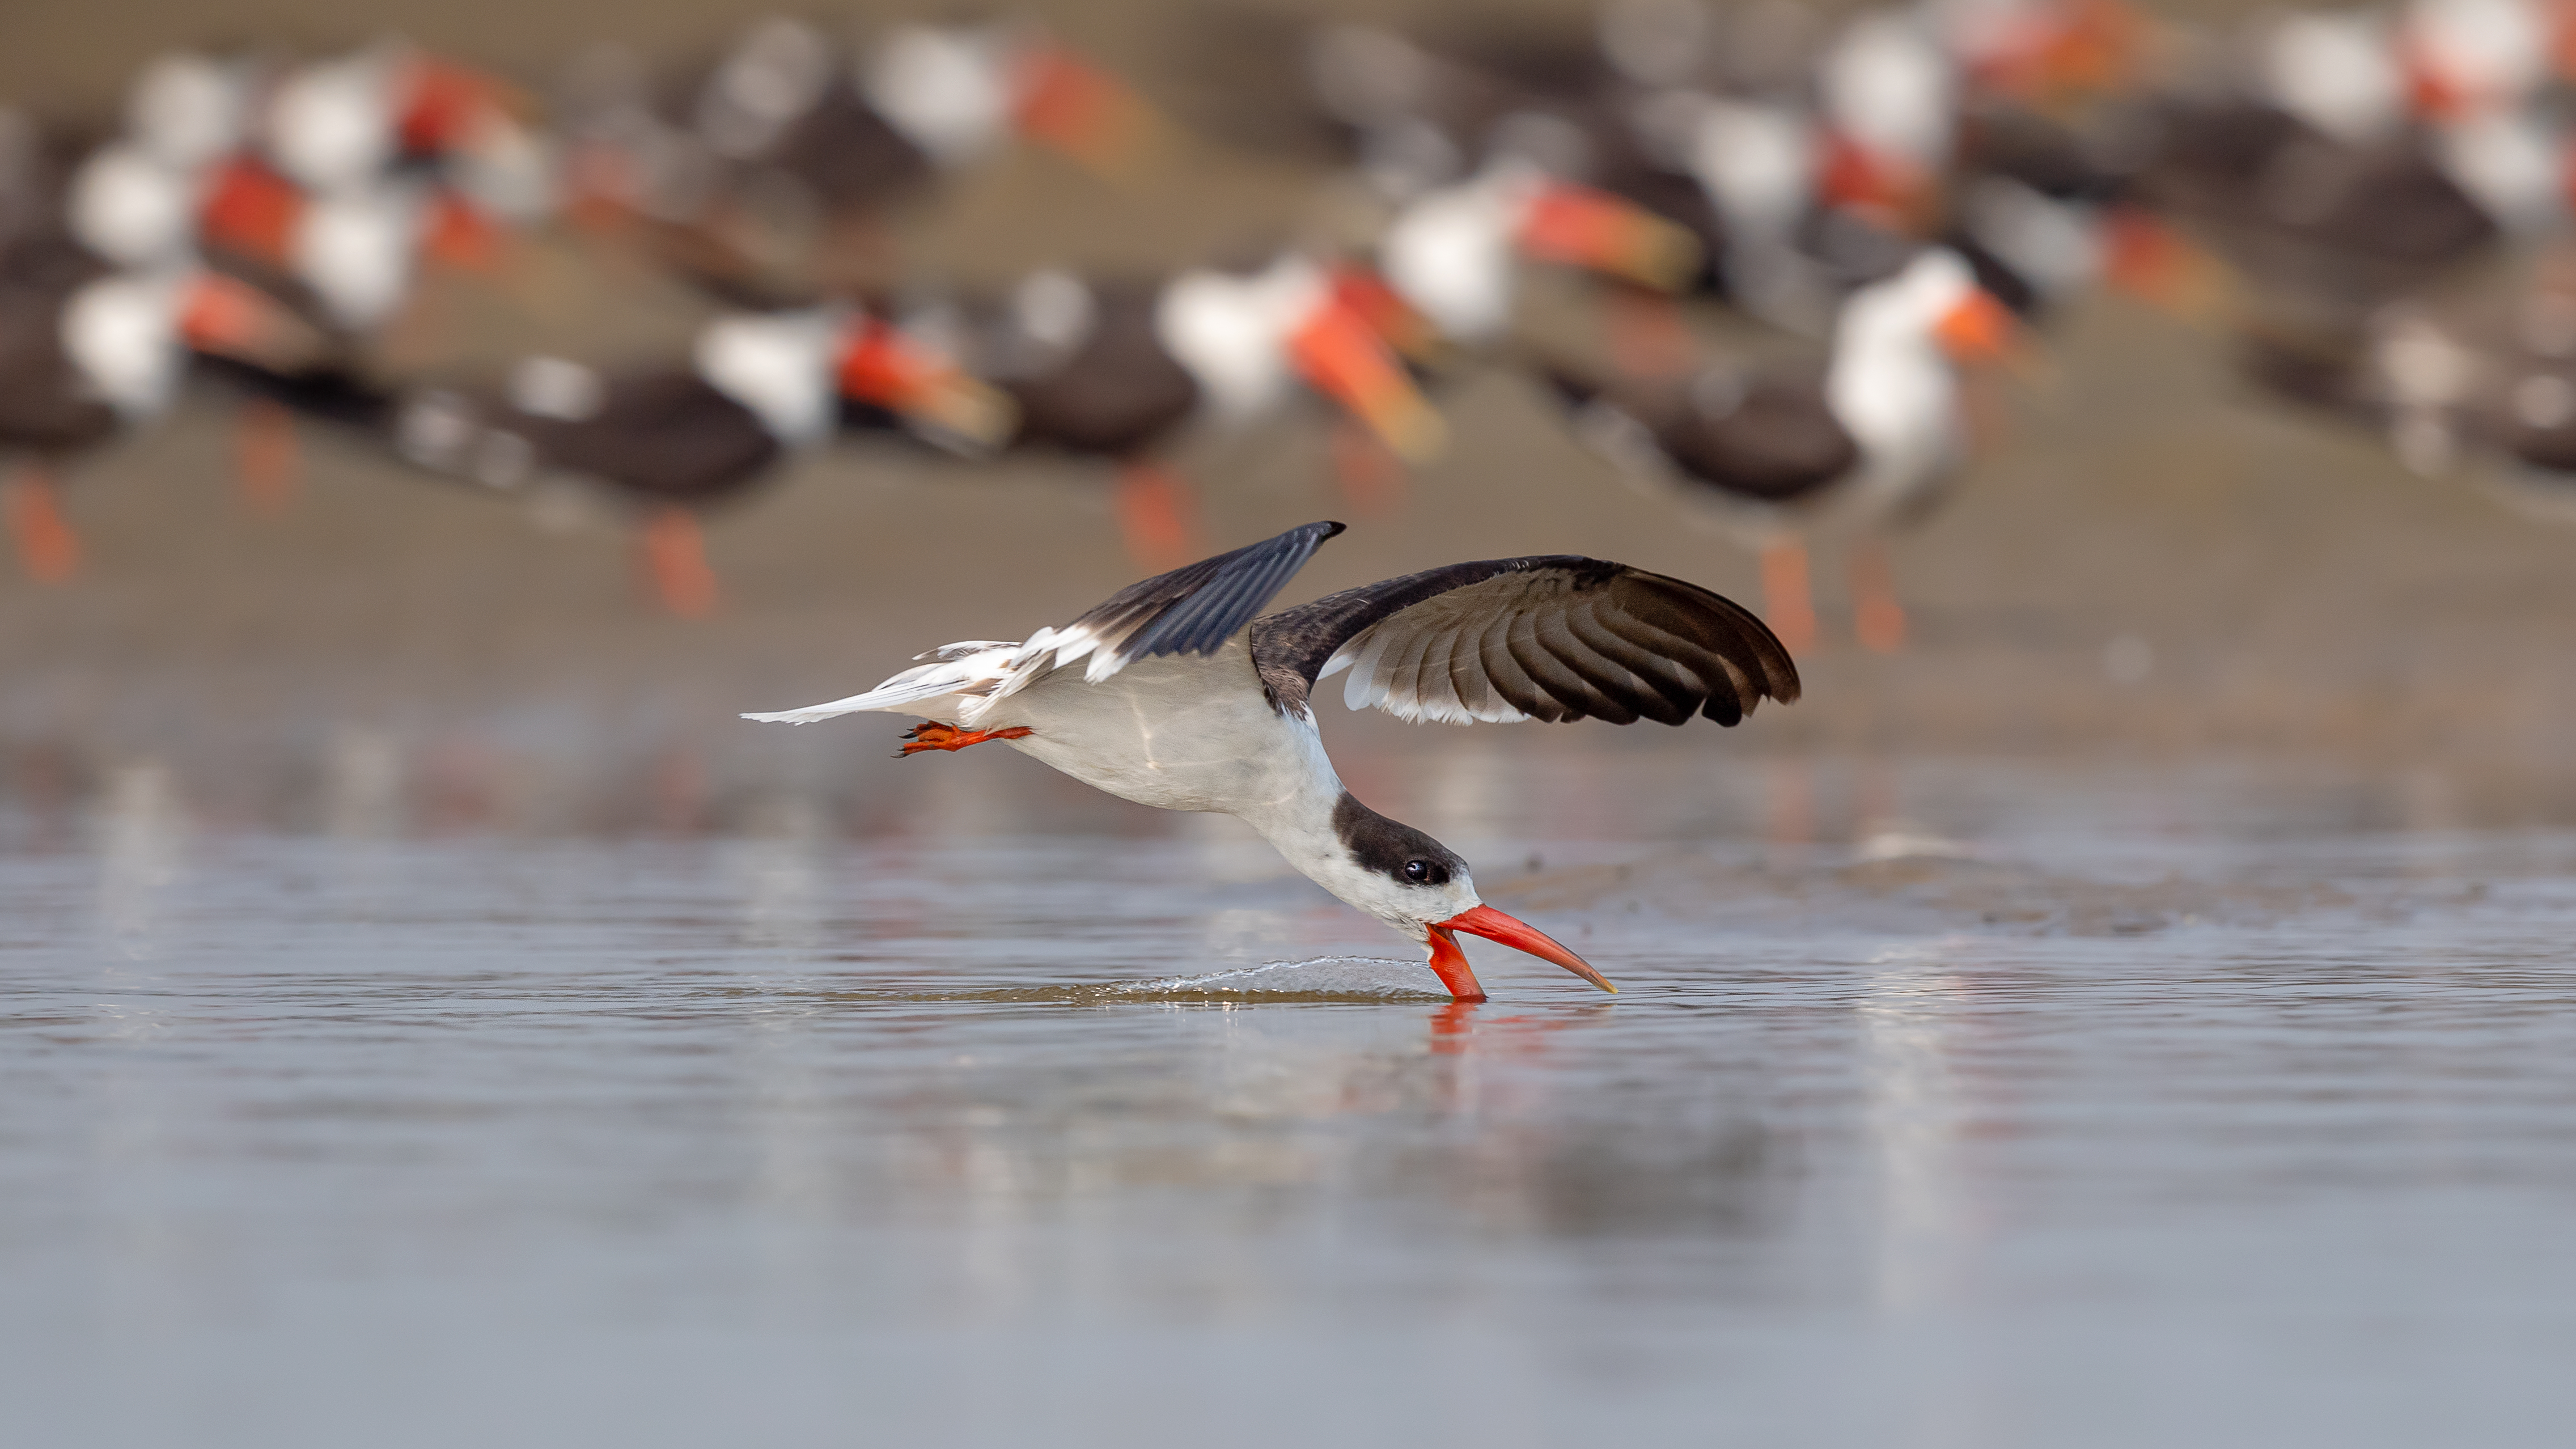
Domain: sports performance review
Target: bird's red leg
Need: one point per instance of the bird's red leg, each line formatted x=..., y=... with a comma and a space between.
x=1647, y=335
x=675, y=561
x=1372, y=477
x=1450, y=965
x=266, y=454
x=1787, y=603
x=48, y=550
x=1155, y=516
x=932, y=735
x=1876, y=615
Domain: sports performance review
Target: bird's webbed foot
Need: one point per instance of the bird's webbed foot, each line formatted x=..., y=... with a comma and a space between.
x=931, y=735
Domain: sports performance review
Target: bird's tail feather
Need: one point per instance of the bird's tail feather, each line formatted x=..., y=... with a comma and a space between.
x=833, y=709
x=942, y=676
x=893, y=694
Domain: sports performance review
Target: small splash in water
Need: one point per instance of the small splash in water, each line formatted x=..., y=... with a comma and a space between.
x=1371, y=978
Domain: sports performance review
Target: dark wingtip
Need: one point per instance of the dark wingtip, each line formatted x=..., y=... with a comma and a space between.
x=1767, y=670
x=1331, y=529
x=1779, y=670
x=1206, y=602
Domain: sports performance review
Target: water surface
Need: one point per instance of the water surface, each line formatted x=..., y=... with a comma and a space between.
x=2131, y=1114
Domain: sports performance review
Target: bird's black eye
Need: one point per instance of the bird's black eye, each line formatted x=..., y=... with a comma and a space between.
x=1426, y=872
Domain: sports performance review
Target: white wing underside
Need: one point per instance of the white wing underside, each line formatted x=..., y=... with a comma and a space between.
x=1406, y=673
x=1474, y=655
x=1422, y=664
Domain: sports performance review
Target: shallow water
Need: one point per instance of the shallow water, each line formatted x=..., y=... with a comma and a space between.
x=2132, y=1111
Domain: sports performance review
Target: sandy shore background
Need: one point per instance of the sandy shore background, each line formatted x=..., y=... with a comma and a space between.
x=2147, y=565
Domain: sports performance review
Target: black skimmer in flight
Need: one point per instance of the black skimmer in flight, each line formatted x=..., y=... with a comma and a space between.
x=673, y=441
x=1774, y=457
x=1178, y=693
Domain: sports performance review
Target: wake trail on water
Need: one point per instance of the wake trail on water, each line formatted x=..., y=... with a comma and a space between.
x=1319, y=979
x=1370, y=977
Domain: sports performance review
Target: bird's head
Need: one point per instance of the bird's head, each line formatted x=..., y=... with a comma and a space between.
x=1245, y=337
x=1933, y=303
x=958, y=90
x=1453, y=253
x=1423, y=890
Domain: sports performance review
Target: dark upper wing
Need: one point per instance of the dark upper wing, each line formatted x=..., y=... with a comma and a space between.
x=665, y=434
x=1191, y=610
x=1556, y=637
x=1116, y=392
x=1773, y=439
x=1768, y=438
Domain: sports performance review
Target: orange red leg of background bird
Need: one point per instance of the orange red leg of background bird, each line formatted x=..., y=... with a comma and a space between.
x=48, y=551
x=1877, y=617
x=267, y=455
x=1648, y=338
x=1156, y=516
x=1788, y=601
x=1371, y=476
x=675, y=564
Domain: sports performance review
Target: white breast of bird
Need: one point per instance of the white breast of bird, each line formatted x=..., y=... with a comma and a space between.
x=1180, y=732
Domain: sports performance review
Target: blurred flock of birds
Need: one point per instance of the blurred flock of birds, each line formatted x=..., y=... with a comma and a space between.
x=1913, y=192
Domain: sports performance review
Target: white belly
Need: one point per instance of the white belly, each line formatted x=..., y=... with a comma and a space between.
x=1177, y=733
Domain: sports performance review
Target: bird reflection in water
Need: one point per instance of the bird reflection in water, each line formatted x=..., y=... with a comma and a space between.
x=779, y=867
x=1271, y=1122
x=142, y=835
x=1916, y=1038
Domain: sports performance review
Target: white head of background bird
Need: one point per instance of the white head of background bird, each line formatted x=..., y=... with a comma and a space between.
x=187, y=110
x=792, y=370
x=958, y=92
x=2337, y=72
x=131, y=208
x=1887, y=88
x=1454, y=253
x=2513, y=161
x=331, y=124
x=2464, y=56
x=123, y=333
x=128, y=333
x=1248, y=339
x=1896, y=346
x=773, y=75
x=1934, y=306
x=358, y=247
